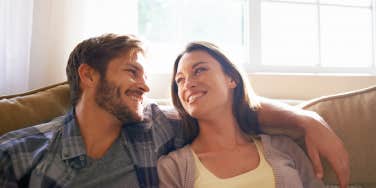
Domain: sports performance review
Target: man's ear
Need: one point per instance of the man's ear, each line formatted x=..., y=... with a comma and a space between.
x=88, y=76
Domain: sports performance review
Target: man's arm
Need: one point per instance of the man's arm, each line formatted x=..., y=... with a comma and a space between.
x=7, y=176
x=319, y=138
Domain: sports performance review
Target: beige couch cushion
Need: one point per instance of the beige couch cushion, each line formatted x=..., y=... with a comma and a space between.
x=353, y=117
x=34, y=107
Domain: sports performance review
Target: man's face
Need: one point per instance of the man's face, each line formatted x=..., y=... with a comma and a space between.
x=120, y=92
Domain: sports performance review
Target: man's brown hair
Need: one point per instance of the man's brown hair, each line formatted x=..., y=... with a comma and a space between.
x=97, y=52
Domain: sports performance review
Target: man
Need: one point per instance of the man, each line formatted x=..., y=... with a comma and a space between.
x=109, y=139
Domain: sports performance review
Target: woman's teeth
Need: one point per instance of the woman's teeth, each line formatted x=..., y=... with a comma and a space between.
x=194, y=97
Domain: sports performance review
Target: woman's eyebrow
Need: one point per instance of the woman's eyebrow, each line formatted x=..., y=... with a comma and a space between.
x=193, y=67
x=198, y=63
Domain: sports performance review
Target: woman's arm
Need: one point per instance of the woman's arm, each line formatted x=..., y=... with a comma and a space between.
x=319, y=138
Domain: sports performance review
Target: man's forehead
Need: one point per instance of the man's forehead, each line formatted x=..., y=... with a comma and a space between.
x=138, y=60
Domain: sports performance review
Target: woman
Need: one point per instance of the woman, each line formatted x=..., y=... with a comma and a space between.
x=219, y=117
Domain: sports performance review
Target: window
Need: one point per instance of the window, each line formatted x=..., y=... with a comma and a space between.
x=170, y=24
x=317, y=36
x=313, y=36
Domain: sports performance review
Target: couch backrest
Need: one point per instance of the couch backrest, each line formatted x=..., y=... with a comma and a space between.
x=352, y=116
x=34, y=107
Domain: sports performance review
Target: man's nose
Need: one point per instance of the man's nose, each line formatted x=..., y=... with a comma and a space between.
x=142, y=84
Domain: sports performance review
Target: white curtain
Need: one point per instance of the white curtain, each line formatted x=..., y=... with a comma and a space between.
x=15, y=40
x=37, y=36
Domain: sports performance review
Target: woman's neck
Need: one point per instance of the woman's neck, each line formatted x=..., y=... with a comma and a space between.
x=218, y=134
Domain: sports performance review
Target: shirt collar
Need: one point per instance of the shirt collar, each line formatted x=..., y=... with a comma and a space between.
x=72, y=141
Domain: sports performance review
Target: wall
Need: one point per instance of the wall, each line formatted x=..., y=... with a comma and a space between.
x=52, y=39
x=58, y=26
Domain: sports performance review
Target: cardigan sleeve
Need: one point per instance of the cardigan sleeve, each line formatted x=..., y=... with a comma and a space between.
x=302, y=163
x=176, y=170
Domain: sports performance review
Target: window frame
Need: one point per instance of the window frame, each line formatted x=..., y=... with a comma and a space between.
x=255, y=50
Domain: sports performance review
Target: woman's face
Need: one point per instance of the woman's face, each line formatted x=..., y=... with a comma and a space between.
x=203, y=87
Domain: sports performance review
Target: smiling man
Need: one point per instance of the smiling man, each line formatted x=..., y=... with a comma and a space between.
x=87, y=147
x=110, y=138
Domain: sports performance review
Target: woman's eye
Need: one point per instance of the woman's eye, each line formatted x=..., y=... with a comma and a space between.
x=199, y=70
x=178, y=80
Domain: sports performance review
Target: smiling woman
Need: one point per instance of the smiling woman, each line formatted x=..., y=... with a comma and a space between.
x=198, y=68
x=219, y=118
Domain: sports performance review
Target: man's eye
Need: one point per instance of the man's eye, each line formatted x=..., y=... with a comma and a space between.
x=132, y=71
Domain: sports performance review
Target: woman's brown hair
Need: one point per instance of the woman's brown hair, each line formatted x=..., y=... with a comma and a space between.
x=244, y=100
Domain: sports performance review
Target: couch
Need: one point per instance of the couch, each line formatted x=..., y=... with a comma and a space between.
x=351, y=115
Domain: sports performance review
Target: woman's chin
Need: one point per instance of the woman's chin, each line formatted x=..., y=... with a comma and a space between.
x=197, y=114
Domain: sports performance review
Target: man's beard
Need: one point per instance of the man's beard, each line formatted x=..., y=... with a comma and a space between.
x=108, y=97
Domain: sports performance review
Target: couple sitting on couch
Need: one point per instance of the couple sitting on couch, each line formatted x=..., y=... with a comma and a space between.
x=110, y=138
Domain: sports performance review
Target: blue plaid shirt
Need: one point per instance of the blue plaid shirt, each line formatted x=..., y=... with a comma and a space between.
x=49, y=155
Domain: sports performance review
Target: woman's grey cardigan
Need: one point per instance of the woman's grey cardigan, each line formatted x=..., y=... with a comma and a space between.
x=291, y=167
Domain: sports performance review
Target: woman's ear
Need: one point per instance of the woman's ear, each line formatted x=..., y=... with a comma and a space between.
x=87, y=74
x=232, y=83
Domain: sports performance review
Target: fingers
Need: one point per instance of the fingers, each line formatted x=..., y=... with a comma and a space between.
x=316, y=161
x=339, y=163
x=341, y=168
x=342, y=176
x=322, y=142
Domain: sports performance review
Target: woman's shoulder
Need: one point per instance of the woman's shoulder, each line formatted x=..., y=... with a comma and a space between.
x=182, y=152
x=281, y=144
x=278, y=140
x=176, y=169
x=286, y=152
x=177, y=158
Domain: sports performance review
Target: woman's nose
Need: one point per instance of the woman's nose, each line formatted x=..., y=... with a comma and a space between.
x=190, y=82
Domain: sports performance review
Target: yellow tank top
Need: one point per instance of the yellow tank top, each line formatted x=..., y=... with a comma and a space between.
x=262, y=176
